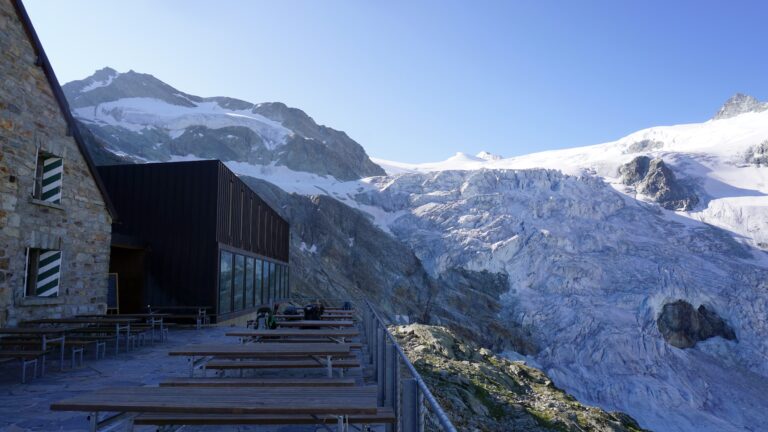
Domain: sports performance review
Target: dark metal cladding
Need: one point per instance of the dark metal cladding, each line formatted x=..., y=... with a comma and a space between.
x=183, y=213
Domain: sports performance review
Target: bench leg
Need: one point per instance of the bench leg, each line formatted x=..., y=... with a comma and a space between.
x=93, y=421
x=330, y=366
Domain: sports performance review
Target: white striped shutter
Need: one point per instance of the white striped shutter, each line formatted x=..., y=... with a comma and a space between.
x=48, y=270
x=53, y=169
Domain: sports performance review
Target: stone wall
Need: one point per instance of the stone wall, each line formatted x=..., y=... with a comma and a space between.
x=30, y=119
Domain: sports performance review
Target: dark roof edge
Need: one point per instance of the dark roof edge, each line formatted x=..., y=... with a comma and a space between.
x=42, y=61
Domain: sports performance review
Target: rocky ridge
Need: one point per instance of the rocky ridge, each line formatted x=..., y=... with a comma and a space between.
x=740, y=104
x=146, y=119
x=481, y=391
x=653, y=178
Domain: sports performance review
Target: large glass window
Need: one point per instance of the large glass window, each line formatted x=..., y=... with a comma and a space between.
x=286, y=291
x=249, y=282
x=259, y=282
x=239, y=285
x=225, y=283
x=272, y=280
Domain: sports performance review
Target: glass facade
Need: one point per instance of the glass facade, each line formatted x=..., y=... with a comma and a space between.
x=249, y=282
x=246, y=282
x=239, y=283
x=225, y=282
x=259, y=282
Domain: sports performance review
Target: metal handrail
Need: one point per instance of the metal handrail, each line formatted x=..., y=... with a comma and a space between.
x=436, y=409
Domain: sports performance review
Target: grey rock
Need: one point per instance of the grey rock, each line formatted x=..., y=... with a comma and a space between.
x=757, y=155
x=740, y=104
x=654, y=178
x=643, y=146
x=683, y=326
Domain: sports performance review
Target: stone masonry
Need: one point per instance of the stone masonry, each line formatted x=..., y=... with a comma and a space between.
x=31, y=119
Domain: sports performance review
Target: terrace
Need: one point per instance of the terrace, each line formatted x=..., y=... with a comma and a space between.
x=343, y=372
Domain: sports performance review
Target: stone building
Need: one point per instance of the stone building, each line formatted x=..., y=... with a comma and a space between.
x=55, y=216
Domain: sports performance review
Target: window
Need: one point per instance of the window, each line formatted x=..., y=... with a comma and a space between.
x=272, y=279
x=259, y=282
x=43, y=270
x=48, y=178
x=239, y=284
x=249, y=294
x=225, y=282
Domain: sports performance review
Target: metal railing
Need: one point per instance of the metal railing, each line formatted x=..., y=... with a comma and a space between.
x=405, y=393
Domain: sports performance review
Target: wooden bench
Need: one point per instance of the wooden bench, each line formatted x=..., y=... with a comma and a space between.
x=382, y=416
x=77, y=345
x=279, y=364
x=27, y=357
x=259, y=382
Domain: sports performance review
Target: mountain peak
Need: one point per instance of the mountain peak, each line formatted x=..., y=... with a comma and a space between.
x=739, y=104
x=488, y=156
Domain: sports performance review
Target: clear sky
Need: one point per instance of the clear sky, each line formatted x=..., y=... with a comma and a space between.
x=417, y=80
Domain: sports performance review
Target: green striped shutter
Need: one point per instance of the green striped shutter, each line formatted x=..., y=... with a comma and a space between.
x=48, y=274
x=51, y=187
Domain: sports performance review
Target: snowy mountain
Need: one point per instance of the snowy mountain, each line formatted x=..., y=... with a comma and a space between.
x=723, y=162
x=634, y=272
x=144, y=119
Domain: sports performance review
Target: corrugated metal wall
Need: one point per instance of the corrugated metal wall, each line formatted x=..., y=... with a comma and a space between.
x=246, y=222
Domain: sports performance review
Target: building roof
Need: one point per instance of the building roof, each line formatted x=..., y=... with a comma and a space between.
x=42, y=61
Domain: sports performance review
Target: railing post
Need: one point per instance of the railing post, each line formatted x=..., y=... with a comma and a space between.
x=411, y=411
x=381, y=365
x=389, y=381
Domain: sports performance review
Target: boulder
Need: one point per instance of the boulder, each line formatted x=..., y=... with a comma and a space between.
x=652, y=177
x=683, y=326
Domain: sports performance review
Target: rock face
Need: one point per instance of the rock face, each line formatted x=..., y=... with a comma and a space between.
x=740, y=104
x=481, y=391
x=652, y=177
x=149, y=120
x=757, y=155
x=682, y=325
x=338, y=252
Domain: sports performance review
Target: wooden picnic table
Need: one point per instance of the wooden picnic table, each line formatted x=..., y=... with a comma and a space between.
x=297, y=332
x=325, y=316
x=261, y=350
x=120, y=324
x=150, y=318
x=47, y=335
x=341, y=401
x=315, y=323
x=243, y=351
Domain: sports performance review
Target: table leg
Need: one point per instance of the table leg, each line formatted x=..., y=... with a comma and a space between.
x=93, y=421
x=117, y=338
x=330, y=366
x=45, y=347
x=127, y=336
x=61, y=366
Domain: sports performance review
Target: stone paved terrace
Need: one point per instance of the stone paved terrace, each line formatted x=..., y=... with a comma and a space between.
x=25, y=407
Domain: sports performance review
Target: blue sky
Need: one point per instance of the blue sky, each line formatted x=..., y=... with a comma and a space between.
x=418, y=81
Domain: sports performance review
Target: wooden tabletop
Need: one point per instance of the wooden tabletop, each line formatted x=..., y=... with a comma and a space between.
x=315, y=323
x=134, y=315
x=323, y=316
x=262, y=350
x=287, y=332
x=39, y=331
x=83, y=320
x=226, y=400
